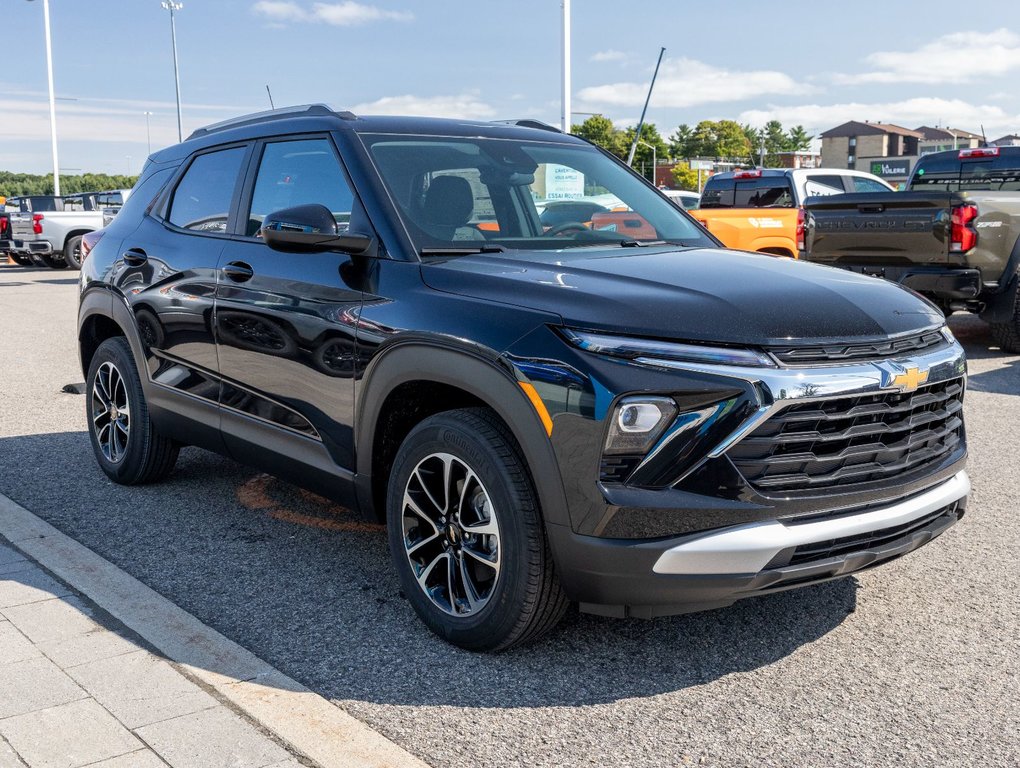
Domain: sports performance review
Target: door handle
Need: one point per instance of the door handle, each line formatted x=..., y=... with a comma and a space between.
x=135, y=257
x=238, y=271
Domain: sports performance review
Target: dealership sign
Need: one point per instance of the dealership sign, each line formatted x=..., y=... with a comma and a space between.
x=890, y=167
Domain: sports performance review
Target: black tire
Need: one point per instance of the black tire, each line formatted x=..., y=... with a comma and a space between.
x=19, y=258
x=72, y=252
x=141, y=455
x=1007, y=334
x=524, y=598
x=53, y=260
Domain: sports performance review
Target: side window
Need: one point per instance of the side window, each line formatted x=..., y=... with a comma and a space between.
x=824, y=184
x=202, y=199
x=868, y=185
x=299, y=173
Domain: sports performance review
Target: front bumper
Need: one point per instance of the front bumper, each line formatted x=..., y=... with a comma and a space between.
x=716, y=568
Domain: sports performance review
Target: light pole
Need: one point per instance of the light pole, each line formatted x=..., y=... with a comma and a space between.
x=173, y=7
x=53, y=102
x=654, y=163
x=148, y=140
x=565, y=103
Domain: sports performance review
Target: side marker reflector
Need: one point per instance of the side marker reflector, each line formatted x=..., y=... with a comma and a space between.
x=540, y=409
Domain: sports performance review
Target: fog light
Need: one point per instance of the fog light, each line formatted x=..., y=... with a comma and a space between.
x=638, y=422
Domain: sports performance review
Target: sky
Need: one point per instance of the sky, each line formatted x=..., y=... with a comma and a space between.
x=813, y=63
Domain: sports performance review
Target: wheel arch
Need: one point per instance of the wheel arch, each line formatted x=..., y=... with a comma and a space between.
x=440, y=379
x=100, y=317
x=74, y=233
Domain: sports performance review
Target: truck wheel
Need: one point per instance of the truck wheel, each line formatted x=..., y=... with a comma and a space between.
x=466, y=534
x=53, y=260
x=127, y=446
x=1007, y=334
x=72, y=252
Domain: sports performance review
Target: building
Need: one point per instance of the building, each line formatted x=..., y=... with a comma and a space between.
x=941, y=139
x=1012, y=140
x=883, y=149
x=800, y=159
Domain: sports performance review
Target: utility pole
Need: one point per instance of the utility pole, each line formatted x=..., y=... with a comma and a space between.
x=565, y=52
x=641, y=122
x=53, y=101
x=173, y=7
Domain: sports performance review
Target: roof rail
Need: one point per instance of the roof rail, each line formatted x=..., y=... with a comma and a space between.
x=272, y=114
x=528, y=122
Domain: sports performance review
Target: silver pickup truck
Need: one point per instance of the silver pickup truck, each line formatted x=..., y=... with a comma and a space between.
x=49, y=229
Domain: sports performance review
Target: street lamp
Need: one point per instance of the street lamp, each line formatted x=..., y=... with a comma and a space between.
x=173, y=7
x=148, y=140
x=53, y=104
x=654, y=163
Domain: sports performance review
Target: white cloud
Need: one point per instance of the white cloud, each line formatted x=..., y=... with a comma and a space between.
x=466, y=106
x=686, y=83
x=609, y=55
x=908, y=113
x=343, y=14
x=958, y=57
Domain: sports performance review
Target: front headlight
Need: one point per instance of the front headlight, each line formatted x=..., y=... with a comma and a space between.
x=651, y=349
x=947, y=334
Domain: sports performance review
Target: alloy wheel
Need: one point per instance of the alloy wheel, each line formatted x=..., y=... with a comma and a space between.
x=111, y=414
x=451, y=534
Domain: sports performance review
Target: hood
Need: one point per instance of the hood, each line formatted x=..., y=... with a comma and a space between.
x=697, y=294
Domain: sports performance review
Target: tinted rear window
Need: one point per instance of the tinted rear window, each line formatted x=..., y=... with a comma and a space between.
x=763, y=192
x=951, y=173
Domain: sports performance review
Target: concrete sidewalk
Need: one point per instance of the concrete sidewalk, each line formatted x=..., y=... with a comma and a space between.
x=78, y=688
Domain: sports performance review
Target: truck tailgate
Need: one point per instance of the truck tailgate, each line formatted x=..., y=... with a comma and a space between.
x=890, y=228
x=21, y=226
x=752, y=229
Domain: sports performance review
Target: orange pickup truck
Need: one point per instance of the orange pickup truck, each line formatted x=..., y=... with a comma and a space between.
x=762, y=210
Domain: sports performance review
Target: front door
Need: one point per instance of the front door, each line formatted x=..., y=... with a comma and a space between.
x=286, y=322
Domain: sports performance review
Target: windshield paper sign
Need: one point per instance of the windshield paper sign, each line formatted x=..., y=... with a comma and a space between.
x=563, y=183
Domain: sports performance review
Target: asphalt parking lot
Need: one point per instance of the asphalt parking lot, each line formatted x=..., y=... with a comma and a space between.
x=914, y=664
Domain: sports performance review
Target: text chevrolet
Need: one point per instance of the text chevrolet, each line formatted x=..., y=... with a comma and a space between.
x=372, y=308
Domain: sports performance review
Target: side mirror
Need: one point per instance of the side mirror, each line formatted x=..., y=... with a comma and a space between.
x=311, y=227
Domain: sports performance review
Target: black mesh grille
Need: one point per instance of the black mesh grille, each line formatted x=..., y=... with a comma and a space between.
x=875, y=351
x=852, y=439
x=821, y=550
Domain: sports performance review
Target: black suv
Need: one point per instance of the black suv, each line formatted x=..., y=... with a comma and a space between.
x=613, y=411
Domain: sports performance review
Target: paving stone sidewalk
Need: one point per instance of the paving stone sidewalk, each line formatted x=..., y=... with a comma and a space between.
x=78, y=689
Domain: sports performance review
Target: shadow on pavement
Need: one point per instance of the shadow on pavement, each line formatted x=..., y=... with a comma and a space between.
x=976, y=338
x=308, y=587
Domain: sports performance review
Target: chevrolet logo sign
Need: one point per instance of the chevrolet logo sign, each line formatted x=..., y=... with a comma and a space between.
x=910, y=379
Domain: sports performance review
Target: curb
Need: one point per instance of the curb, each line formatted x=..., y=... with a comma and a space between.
x=307, y=722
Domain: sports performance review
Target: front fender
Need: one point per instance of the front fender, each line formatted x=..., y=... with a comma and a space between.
x=486, y=379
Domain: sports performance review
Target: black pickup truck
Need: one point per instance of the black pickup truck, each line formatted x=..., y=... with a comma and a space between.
x=953, y=235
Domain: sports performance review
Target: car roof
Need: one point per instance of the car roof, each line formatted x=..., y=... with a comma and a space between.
x=318, y=117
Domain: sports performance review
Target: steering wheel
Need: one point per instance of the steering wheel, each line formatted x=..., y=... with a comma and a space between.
x=565, y=226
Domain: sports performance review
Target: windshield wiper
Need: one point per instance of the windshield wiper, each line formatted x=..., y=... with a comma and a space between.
x=640, y=243
x=465, y=251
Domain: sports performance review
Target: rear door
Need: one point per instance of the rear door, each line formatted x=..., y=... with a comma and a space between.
x=286, y=322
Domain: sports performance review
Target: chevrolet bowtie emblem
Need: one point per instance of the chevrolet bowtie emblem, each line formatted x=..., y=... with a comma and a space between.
x=910, y=379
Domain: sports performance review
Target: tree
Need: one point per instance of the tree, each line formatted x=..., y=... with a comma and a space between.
x=685, y=177
x=681, y=143
x=724, y=138
x=799, y=139
x=23, y=184
x=643, y=154
x=600, y=131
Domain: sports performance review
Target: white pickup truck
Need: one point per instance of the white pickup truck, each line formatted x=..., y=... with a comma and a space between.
x=49, y=229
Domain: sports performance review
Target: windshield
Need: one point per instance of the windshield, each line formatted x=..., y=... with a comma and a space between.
x=470, y=194
x=955, y=174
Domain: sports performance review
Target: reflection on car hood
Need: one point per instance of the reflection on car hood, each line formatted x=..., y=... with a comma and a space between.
x=697, y=294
